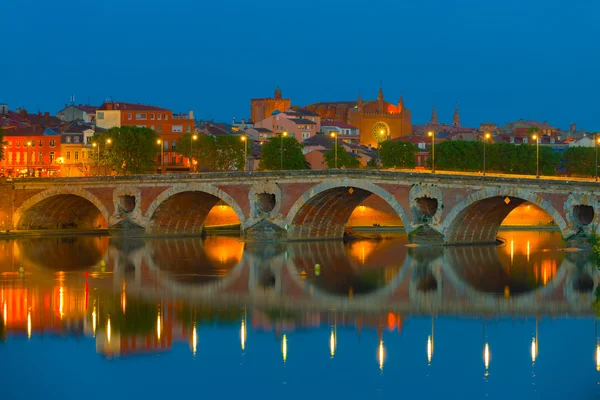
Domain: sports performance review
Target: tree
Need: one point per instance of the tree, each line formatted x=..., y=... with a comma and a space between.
x=293, y=159
x=2, y=144
x=580, y=161
x=398, y=154
x=344, y=159
x=213, y=153
x=128, y=149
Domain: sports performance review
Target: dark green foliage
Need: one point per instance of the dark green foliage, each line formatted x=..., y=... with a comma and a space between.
x=293, y=159
x=218, y=153
x=398, y=154
x=580, y=161
x=132, y=149
x=506, y=158
x=344, y=159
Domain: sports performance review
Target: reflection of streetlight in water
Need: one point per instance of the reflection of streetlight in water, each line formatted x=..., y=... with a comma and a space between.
x=486, y=358
x=284, y=348
x=380, y=354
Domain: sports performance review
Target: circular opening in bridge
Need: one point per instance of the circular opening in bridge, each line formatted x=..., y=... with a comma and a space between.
x=583, y=284
x=583, y=214
x=265, y=202
x=425, y=208
x=127, y=203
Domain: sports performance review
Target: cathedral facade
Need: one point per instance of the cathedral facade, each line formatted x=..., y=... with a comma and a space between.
x=377, y=120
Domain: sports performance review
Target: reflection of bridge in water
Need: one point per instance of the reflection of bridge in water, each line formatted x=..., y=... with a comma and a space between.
x=142, y=296
x=359, y=276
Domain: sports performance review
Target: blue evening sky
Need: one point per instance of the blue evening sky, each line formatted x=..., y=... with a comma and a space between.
x=499, y=60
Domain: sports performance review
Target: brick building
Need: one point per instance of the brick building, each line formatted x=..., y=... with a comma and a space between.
x=30, y=151
x=169, y=127
x=263, y=107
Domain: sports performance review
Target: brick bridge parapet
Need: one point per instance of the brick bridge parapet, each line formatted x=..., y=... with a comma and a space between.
x=295, y=205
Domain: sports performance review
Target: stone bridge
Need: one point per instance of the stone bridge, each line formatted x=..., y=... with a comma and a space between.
x=294, y=205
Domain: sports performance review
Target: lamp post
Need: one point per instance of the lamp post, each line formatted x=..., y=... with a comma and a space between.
x=192, y=138
x=537, y=155
x=27, y=155
x=159, y=142
x=596, y=142
x=108, y=143
x=432, y=134
x=245, y=140
x=335, y=137
x=98, y=158
x=283, y=134
x=381, y=133
x=486, y=136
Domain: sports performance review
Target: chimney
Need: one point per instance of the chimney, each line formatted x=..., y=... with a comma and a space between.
x=47, y=116
x=109, y=106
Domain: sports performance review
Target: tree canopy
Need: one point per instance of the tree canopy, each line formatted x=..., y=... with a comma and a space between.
x=344, y=159
x=128, y=149
x=213, y=153
x=293, y=159
x=398, y=154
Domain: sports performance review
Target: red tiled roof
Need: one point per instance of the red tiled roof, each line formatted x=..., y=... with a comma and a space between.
x=87, y=108
x=119, y=105
x=338, y=124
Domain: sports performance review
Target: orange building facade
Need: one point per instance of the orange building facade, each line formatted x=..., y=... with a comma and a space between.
x=377, y=120
x=169, y=127
x=264, y=107
x=30, y=151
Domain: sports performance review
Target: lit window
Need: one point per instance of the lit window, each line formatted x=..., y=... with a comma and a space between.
x=76, y=156
x=68, y=155
x=68, y=139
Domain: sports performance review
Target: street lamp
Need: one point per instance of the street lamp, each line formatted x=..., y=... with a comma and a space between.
x=485, y=139
x=192, y=138
x=98, y=160
x=245, y=140
x=432, y=134
x=283, y=134
x=596, y=142
x=159, y=142
x=381, y=133
x=108, y=143
x=537, y=155
x=27, y=155
x=335, y=136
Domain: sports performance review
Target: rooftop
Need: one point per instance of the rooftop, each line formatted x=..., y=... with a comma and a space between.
x=119, y=105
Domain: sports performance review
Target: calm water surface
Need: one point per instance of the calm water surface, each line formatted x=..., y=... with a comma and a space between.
x=92, y=317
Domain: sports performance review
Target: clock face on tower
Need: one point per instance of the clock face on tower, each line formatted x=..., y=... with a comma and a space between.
x=381, y=132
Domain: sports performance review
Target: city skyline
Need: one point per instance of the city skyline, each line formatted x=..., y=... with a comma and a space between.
x=213, y=58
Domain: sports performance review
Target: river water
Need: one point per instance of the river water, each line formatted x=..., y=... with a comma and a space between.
x=93, y=317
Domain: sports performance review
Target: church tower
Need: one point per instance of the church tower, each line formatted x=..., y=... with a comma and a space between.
x=277, y=95
x=400, y=104
x=434, y=117
x=456, y=118
x=380, y=103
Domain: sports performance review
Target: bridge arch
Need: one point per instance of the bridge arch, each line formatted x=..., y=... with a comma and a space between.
x=477, y=218
x=183, y=208
x=323, y=211
x=64, y=207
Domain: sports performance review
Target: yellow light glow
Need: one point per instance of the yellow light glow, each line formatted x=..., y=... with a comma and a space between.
x=284, y=348
x=332, y=134
x=512, y=250
x=528, y=251
x=598, y=357
x=429, y=133
x=108, y=330
x=486, y=356
x=380, y=354
x=332, y=343
x=28, y=324
x=243, y=334
x=5, y=313
x=61, y=295
x=195, y=137
x=487, y=135
x=284, y=134
x=124, y=301
x=194, y=339
x=429, y=349
x=534, y=137
x=158, y=141
x=94, y=320
x=28, y=143
x=243, y=138
x=158, y=328
x=94, y=144
x=108, y=141
x=533, y=350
